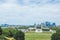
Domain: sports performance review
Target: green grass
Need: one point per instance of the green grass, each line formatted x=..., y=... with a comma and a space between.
x=38, y=36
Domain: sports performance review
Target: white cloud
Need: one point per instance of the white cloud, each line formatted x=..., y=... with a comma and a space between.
x=13, y=13
x=10, y=1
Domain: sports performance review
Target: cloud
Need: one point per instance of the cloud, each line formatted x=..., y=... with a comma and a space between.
x=29, y=12
x=38, y=2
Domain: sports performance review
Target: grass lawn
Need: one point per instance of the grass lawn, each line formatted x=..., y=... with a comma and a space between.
x=38, y=36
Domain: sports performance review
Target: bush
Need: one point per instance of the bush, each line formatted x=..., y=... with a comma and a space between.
x=19, y=35
x=56, y=36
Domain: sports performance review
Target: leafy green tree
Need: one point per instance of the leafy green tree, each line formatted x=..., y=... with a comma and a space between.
x=7, y=31
x=19, y=35
x=58, y=30
x=56, y=36
x=10, y=34
x=53, y=28
x=0, y=31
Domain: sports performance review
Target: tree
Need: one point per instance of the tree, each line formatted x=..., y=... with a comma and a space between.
x=53, y=28
x=10, y=34
x=0, y=31
x=56, y=36
x=58, y=30
x=19, y=35
x=1, y=36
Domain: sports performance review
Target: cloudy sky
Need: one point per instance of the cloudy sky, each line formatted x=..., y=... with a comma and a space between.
x=27, y=12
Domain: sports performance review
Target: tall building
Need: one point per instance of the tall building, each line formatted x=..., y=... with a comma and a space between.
x=48, y=24
x=54, y=24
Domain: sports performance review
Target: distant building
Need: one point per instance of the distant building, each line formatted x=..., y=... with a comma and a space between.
x=53, y=31
x=38, y=30
x=4, y=25
x=33, y=28
x=48, y=24
x=54, y=24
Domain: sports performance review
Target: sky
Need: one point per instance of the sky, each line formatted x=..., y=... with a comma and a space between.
x=26, y=12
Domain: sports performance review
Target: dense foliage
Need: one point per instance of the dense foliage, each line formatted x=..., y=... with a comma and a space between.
x=56, y=36
x=19, y=35
x=10, y=34
x=6, y=33
x=0, y=31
